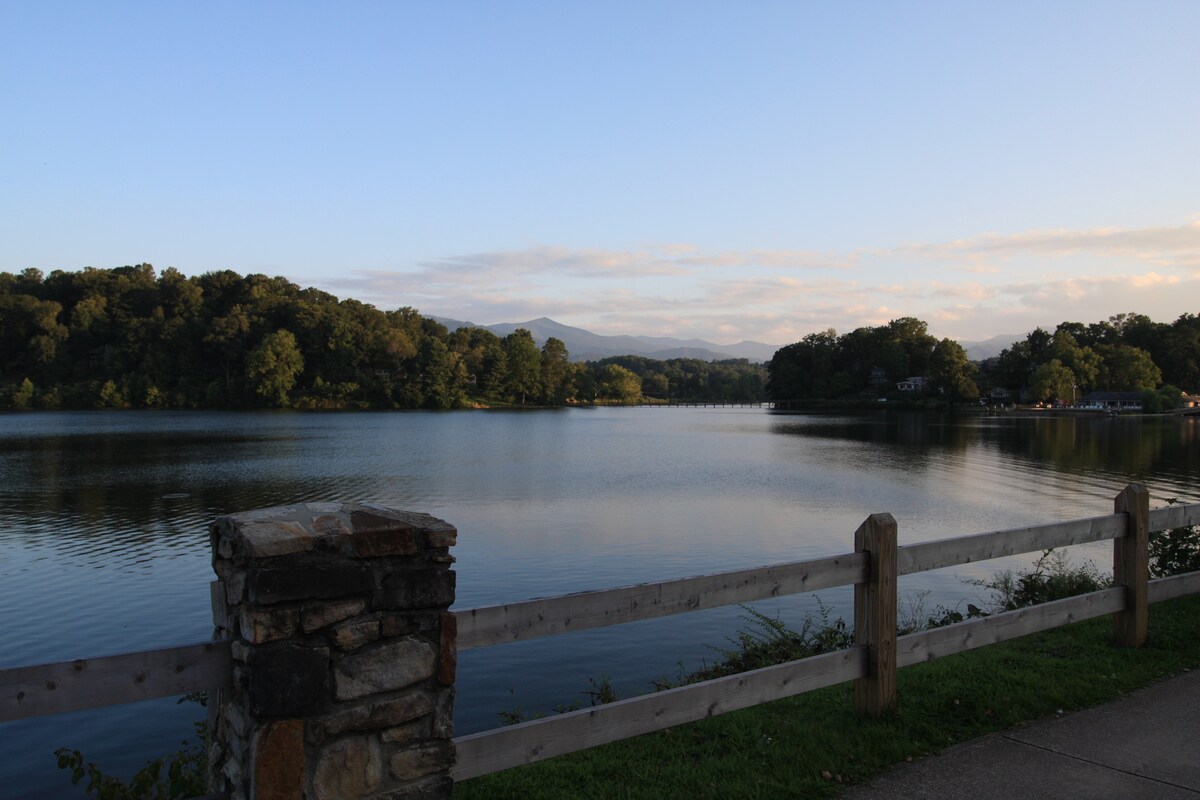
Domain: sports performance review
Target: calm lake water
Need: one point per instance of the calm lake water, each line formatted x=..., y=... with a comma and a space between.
x=104, y=548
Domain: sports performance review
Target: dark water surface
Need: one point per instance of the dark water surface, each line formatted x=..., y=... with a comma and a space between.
x=104, y=548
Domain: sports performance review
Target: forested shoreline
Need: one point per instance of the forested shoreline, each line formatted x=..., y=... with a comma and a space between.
x=133, y=338
x=130, y=337
x=1126, y=353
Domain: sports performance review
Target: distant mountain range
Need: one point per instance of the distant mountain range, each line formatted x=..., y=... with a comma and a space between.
x=989, y=348
x=584, y=345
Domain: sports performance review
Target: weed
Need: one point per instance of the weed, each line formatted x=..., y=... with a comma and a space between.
x=767, y=640
x=602, y=691
x=1053, y=578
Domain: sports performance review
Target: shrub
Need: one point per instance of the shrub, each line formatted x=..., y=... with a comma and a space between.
x=178, y=775
x=1053, y=578
x=767, y=641
x=175, y=776
x=1174, y=551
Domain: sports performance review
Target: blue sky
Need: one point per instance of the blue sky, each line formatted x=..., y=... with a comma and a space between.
x=725, y=170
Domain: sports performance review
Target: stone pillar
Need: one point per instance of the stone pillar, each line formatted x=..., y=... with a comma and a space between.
x=344, y=654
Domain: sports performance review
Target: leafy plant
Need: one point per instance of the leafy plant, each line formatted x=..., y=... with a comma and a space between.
x=768, y=640
x=177, y=775
x=1174, y=551
x=1053, y=578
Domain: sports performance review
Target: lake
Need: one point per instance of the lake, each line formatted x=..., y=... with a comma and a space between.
x=104, y=515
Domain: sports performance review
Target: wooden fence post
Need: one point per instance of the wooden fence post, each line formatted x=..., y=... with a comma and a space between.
x=875, y=616
x=1131, y=566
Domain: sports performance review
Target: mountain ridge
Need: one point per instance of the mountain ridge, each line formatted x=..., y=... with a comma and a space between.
x=989, y=348
x=583, y=345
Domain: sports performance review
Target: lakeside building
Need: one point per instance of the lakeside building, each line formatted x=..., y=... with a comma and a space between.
x=1112, y=401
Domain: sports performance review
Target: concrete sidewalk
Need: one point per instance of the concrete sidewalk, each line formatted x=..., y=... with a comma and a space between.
x=1145, y=745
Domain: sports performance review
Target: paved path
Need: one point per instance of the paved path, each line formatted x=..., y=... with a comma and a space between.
x=1145, y=745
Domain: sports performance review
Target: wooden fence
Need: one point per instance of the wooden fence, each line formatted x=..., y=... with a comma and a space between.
x=872, y=663
x=873, y=569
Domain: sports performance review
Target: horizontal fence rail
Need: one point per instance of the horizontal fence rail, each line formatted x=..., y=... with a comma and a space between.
x=490, y=625
x=998, y=544
x=112, y=680
x=1173, y=587
x=981, y=631
x=491, y=751
x=1177, y=516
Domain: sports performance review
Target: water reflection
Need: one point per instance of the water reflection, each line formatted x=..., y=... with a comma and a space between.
x=1156, y=450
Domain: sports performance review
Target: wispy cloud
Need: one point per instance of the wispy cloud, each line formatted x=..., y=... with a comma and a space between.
x=561, y=261
x=1167, y=247
x=778, y=259
x=681, y=289
x=673, y=260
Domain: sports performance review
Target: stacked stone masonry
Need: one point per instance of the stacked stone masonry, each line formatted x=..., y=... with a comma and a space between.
x=344, y=654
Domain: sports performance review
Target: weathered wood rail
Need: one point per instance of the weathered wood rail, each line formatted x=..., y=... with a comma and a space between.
x=872, y=662
x=111, y=680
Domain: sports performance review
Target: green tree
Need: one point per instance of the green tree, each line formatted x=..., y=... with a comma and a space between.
x=1013, y=367
x=1180, y=361
x=272, y=367
x=30, y=331
x=110, y=396
x=586, y=382
x=1052, y=381
x=1169, y=397
x=1128, y=369
x=804, y=369
x=951, y=372
x=620, y=384
x=22, y=396
x=912, y=336
x=442, y=375
x=556, y=372
x=1083, y=361
x=228, y=335
x=154, y=397
x=524, y=374
x=657, y=386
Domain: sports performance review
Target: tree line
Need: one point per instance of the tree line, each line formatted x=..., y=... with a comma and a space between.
x=1127, y=352
x=133, y=338
x=690, y=380
x=870, y=362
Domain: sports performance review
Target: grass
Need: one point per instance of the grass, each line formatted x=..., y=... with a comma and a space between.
x=810, y=746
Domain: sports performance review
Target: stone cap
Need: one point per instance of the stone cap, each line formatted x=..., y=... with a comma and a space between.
x=362, y=530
